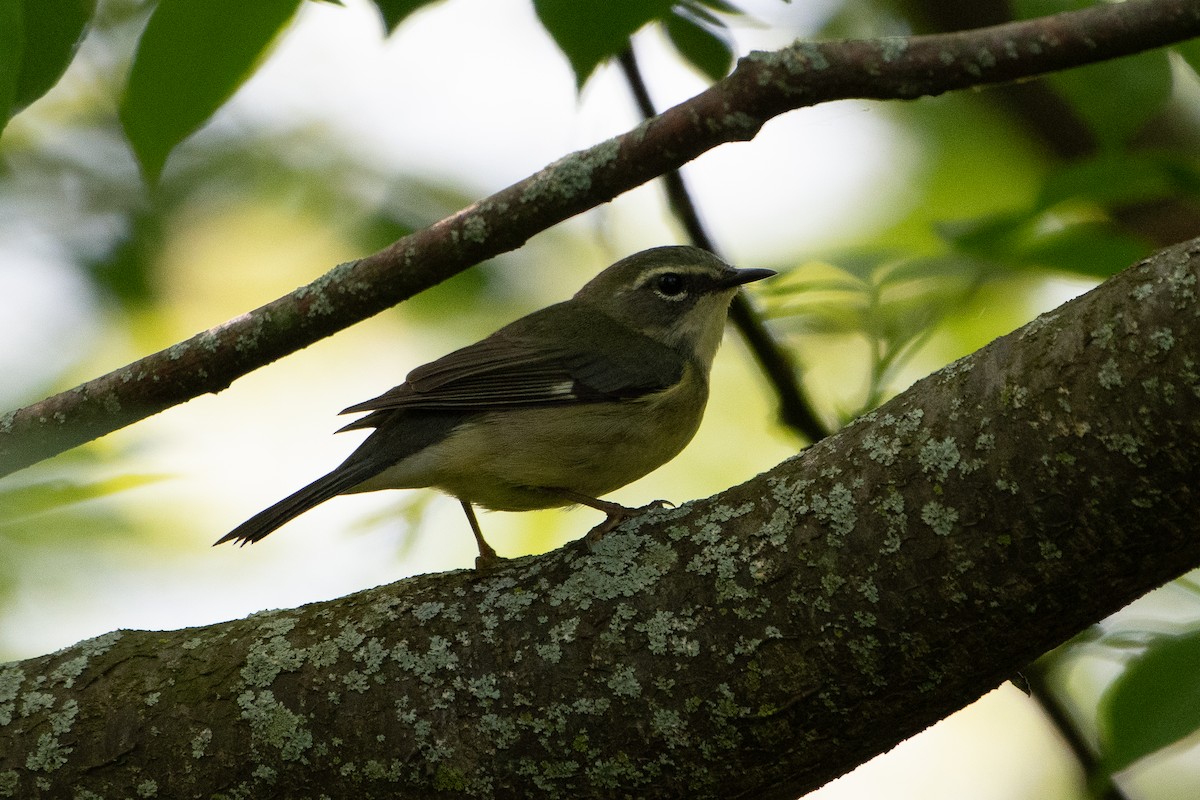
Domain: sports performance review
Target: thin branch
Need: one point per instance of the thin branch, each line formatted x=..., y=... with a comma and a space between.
x=762, y=86
x=1101, y=785
x=775, y=361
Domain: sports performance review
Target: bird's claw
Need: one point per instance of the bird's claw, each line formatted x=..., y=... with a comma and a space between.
x=618, y=515
x=487, y=559
x=489, y=562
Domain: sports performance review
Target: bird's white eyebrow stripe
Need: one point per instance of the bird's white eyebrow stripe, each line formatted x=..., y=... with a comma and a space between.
x=650, y=275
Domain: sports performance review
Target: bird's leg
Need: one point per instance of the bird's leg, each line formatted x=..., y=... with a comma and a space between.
x=487, y=557
x=616, y=513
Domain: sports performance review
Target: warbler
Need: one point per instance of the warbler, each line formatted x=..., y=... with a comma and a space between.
x=557, y=408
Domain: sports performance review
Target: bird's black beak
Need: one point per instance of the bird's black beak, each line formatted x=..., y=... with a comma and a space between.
x=740, y=276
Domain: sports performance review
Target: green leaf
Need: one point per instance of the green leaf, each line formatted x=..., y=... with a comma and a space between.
x=1154, y=703
x=12, y=47
x=706, y=47
x=720, y=5
x=806, y=288
x=1094, y=249
x=192, y=57
x=591, y=31
x=864, y=264
x=56, y=27
x=24, y=501
x=127, y=271
x=1023, y=241
x=942, y=271
x=989, y=237
x=1110, y=179
x=396, y=11
x=1117, y=98
x=1190, y=50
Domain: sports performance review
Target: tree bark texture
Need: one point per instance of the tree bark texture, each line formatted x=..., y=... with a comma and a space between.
x=757, y=643
x=763, y=86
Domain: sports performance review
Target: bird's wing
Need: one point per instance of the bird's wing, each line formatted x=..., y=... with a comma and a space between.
x=532, y=363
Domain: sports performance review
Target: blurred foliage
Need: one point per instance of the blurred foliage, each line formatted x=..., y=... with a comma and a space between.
x=64, y=504
x=191, y=58
x=590, y=32
x=1154, y=703
x=1151, y=704
x=1011, y=190
x=701, y=37
x=396, y=11
x=892, y=302
x=38, y=40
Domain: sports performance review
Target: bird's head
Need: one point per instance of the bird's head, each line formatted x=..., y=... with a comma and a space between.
x=676, y=295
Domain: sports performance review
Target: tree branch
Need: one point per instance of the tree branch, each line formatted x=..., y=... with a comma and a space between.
x=758, y=643
x=762, y=86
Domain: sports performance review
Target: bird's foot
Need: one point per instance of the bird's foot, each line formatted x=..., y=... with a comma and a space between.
x=487, y=559
x=616, y=514
x=488, y=562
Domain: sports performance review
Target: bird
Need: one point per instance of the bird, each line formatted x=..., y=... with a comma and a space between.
x=558, y=408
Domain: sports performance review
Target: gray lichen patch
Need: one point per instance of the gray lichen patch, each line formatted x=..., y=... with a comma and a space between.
x=609, y=572
x=942, y=519
x=200, y=743
x=11, y=679
x=571, y=175
x=939, y=457
x=66, y=672
x=666, y=632
x=475, y=229
x=98, y=646
x=47, y=755
x=623, y=682
x=274, y=726
x=267, y=658
x=837, y=509
x=801, y=59
x=436, y=657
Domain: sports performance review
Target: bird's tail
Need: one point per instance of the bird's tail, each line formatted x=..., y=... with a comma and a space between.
x=296, y=504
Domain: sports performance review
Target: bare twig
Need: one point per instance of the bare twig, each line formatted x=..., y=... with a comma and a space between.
x=763, y=86
x=1100, y=784
x=775, y=361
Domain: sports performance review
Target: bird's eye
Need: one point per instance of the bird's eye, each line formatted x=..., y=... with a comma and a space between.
x=670, y=284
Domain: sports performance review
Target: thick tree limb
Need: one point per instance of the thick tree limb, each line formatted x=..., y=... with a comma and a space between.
x=758, y=643
x=763, y=86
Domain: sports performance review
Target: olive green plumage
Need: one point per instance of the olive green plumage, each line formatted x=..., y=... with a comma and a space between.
x=559, y=407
